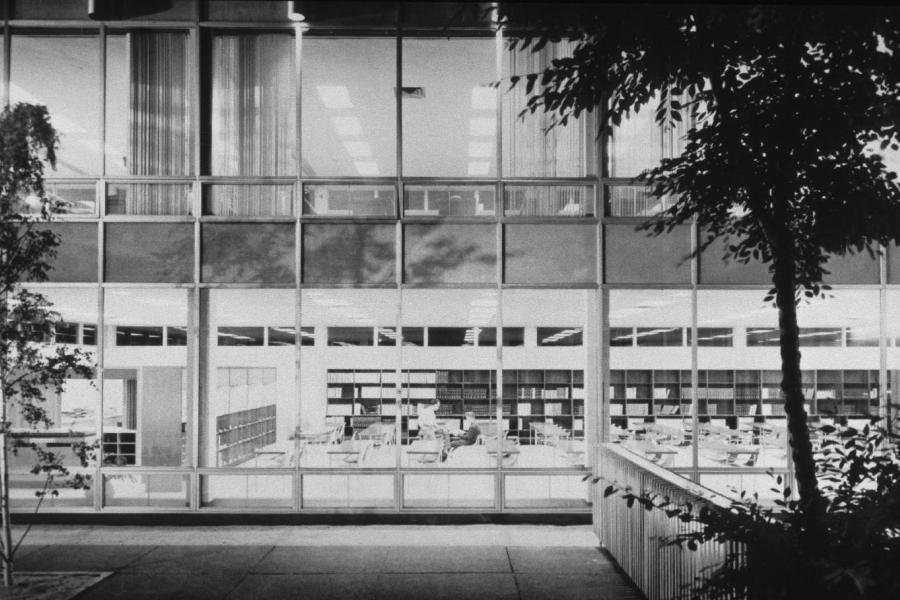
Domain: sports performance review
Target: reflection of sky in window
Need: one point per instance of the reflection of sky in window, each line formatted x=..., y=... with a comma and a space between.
x=62, y=73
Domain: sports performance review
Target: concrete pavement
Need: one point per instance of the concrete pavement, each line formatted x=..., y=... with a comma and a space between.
x=518, y=562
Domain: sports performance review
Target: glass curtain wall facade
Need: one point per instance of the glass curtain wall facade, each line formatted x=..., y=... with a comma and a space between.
x=305, y=255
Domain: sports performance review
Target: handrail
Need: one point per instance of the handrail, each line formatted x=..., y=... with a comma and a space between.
x=636, y=537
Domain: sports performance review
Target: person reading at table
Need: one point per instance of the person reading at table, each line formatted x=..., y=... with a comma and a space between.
x=463, y=437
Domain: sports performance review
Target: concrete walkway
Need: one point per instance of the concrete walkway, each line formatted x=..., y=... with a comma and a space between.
x=393, y=562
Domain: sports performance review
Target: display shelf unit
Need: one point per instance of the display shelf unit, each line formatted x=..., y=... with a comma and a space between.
x=739, y=393
x=240, y=433
x=119, y=446
x=357, y=393
x=550, y=396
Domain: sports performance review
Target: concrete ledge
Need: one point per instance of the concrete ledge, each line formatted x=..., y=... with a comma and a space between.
x=206, y=518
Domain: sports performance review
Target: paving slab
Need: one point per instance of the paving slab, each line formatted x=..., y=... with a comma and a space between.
x=80, y=558
x=323, y=559
x=447, y=586
x=163, y=586
x=574, y=586
x=453, y=559
x=200, y=559
x=307, y=586
x=558, y=560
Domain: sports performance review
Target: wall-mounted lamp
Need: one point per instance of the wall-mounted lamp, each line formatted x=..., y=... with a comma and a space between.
x=294, y=13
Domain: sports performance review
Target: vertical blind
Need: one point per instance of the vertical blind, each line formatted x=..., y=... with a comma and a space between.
x=253, y=117
x=159, y=128
x=529, y=149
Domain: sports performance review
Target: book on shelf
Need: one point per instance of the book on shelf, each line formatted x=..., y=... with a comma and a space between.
x=370, y=392
x=638, y=409
x=578, y=393
x=553, y=409
x=523, y=409
x=578, y=424
x=340, y=409
x=660, y=393
x=615, y=409
x=631, y=393
x=368, y=377
x=612, y=391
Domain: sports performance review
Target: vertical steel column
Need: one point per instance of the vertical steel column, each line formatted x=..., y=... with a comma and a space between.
x=198, y=331
x=884, y=406
x=695, y=402
x=398, y=262
x=297, y=487
x=100, y=192
x=499, y=489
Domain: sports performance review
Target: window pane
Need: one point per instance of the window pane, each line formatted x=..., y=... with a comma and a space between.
x=349, y=107
x=513, y=336
x=562, y=254
x=253, y=105
x=636, y=144
x=348, y=253
x=452, y=336
x=634, y=201
x=548, y=201
x=449, y=254
x=350, y=336
x=820, y=336
x=349, y=200
x=448, y=201
x=659, y=336
x=146, y=391
x=148, y=104
x=76, y=258
x=248, y=253
x=713, y=336
x=636, y=257
x=559, y=336
x=449, y=111
x=74, y=199
x=715, y=269
x=240, y=336
x=176, y=336
x=387, y=336
x=150, y=252
x=282, y=336
x=307, y=336
x=413, y=336
x=248, y=200
x=250, y=409
x=529, y=149
x=148, y=199
x=621, y=336
x=62, y=73
x=139, y=336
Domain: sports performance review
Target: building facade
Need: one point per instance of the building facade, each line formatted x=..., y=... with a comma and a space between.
x=284, y=239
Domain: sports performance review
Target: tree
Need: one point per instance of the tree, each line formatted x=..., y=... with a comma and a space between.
x=787, y=111
x=29, y=368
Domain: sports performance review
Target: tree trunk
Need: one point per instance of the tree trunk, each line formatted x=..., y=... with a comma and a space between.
x=791, y=385
x=6, y=541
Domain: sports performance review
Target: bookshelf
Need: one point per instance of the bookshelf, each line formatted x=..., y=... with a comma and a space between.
x=361, y=396
x=551, y=396
x=741, y=393
x=239, y=433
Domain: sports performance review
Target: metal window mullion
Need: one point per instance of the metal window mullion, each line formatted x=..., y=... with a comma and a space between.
x=98, y=474
x=695, y=402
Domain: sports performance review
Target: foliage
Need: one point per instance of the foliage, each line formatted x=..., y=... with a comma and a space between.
x=29, y=367
x=859, y=475
x=785, y=123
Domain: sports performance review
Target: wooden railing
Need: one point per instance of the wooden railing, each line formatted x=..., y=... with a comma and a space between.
x=636, y=537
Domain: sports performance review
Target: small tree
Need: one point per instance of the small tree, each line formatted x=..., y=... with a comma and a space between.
x=28, y=367
x=783, y=106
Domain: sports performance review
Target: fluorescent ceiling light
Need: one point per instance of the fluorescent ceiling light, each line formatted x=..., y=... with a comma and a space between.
x=484, y=98
x=366, y=167
x=479, y=168
x=482, y=126
x=481, y=149
x=347, y=126
x=334, y=96
x=358, y=149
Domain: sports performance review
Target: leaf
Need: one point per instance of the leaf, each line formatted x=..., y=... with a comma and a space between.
x=609, y=491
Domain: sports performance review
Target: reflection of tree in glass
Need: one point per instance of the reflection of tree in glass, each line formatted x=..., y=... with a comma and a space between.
x=257, y=253
x=348, y=253
x=150, y=253
x=450, y=254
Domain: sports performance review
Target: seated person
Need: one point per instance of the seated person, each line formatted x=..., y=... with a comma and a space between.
x=428, y=425
x=463, y=437
x=468, y=435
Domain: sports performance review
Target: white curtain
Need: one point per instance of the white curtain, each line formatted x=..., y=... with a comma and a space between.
x=527, y=150
x=159, y=128
x=253, y=119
